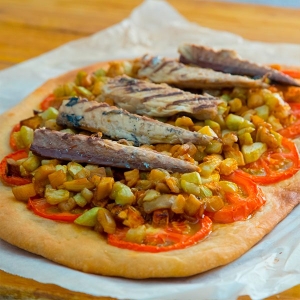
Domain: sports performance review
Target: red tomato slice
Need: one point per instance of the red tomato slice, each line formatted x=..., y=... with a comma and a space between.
x=12, y=180
x=43, y=209
x=292, y=73
x=293, y=130
x=47, y=102
x=166, y=239
x=241, y=205
x=274, y=165
x=12, y=141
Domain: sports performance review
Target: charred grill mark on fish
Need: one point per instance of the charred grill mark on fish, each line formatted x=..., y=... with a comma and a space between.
x=228, y=61
x=94, y=150
x=120, y=124
x=151, y=99
x=163, y=70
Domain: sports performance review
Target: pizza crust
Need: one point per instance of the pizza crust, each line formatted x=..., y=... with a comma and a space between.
x=83, y=249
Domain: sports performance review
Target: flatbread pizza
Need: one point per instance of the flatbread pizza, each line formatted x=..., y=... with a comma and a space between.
x=152, y=167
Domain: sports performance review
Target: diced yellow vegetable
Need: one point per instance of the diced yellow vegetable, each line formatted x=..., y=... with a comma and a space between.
x=205, y=191
x=189, y=187
x=214, y=126
x=227, y=166
x=211, y=178
x=276, y=125
x=54, y=196
x=228, y=138
x=255, y=99
x=57, y=178
x=106, y=220
x=209, y=166
x=133, y=218
x=67, y=205
x=214, y=203
x=42, y=172
x=253, y=152
x=80, y=200
x=77, y=185
x=193, y=177
x=24, y=192
x=136, y=235
x=192, y=205
x=74, y=168
x=104, y=188
x=178, y=204
x=208, y=131
x=158, y=175
x=87, y=194
x=184, y=122
x=263, y=112
x=235, y=154
x=235, y=104
x=132, y=177
x=173, y=184
x=215, y=147
x=151, y=195
x=228, y=186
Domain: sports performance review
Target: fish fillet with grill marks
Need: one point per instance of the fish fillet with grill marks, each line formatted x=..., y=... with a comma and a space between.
x=162, y=70
x=228, y=61
x=157, y=100
x=94, y=150
x=120, y=124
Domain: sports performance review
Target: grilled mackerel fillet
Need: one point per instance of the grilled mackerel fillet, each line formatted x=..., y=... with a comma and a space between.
x=157, y=100
x=94, y=150
x=228, y=61
x=120, y=124
x=162, y=70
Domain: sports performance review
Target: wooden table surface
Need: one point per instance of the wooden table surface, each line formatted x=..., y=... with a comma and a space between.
x=32, y=27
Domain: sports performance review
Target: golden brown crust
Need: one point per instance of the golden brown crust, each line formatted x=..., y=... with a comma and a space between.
x=83, y=249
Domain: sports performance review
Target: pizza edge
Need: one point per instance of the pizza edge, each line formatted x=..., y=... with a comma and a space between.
x=85, y=250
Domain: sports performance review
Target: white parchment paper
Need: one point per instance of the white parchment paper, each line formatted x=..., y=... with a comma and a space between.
x=272, y=266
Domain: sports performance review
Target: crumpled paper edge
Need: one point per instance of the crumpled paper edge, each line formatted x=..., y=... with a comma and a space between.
x=134, y=37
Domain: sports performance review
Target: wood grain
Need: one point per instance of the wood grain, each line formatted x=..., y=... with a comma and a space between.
x=32, y=27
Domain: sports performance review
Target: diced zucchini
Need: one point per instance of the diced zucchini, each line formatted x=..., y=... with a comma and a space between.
x=208, y=167
x=54, y=196
x=233, y=122
x=193, y=177
x=215, y=147
x=80, y=200
x=189, y=187
x=49, y=113
x=151, y=195
x=253, y=152
x=122, y=194
x=26, y=135
x=88, y=218
x=263, y=112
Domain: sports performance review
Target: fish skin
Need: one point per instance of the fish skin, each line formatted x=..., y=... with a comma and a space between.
x=163, y=70
x=94, y=150
x=120, y=124
x=228, y=61
x=157, y=100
